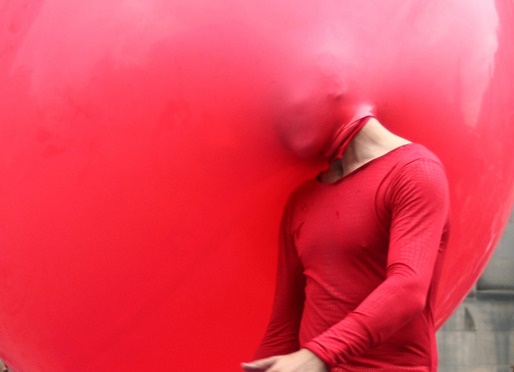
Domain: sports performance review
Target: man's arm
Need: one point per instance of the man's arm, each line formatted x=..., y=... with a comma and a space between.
x=300, y=361
x=281, y=335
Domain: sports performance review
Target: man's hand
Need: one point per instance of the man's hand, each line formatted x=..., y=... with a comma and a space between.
x=301, y=361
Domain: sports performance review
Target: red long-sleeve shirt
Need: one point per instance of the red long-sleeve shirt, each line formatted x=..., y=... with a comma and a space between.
x=359, y=265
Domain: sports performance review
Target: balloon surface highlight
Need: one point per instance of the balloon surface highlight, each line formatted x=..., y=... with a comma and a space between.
x=144, y=172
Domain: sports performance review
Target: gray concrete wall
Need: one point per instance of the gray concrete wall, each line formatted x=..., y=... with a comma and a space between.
x=479, y=337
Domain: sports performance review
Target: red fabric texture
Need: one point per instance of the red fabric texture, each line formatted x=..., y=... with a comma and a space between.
x=351, y=131
x=346, y=132
x=359, y=266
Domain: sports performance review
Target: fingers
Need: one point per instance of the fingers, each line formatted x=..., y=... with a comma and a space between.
x=259, y=365
x=250, y=367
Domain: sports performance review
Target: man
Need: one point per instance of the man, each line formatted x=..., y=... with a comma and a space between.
x=361, y=247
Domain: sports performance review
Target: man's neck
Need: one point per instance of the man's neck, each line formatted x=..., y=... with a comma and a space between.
x=373, y=141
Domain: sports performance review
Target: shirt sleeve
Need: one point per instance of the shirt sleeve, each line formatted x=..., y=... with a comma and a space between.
x=281, y=335
x=419, y=205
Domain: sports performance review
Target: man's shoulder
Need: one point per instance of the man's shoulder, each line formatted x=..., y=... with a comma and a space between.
x=418, y=167
x=415, y=152
x=418, y=150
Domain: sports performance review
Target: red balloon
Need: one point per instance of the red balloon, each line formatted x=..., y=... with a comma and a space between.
x=142, y=180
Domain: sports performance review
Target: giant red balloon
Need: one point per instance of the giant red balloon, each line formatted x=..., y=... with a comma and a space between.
x=142, y=183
